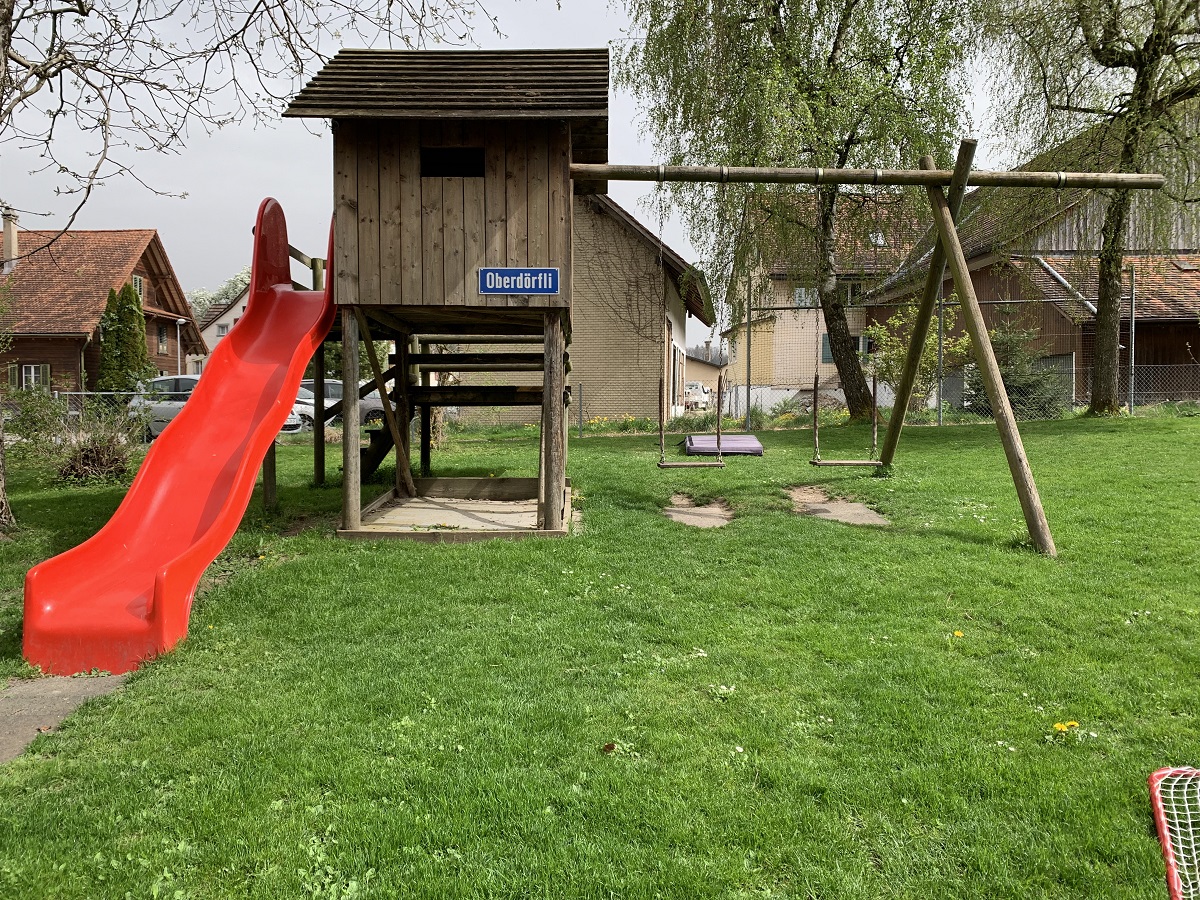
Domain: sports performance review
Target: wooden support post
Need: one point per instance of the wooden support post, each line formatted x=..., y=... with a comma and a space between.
x=554, y=469
x=351, y=460
x=933, y=286
x=426, y=431
x=985, y=358
x=404, y=479
x=270, y=488
x=318, y=284
x=319, y=415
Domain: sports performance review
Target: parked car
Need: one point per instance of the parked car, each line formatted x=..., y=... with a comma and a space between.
x=161, y=399
x=696, y=396
x=370, y=407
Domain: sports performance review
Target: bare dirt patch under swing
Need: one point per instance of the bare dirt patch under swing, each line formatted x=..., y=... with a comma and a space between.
x=684, y=509
x=812, y=501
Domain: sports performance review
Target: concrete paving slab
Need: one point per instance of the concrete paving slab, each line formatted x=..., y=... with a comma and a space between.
x=37, y=705
x=684, y=509
x=812, y=501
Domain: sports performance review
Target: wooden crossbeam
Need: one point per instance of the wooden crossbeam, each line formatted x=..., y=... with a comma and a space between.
x=448, y=362
x=489, y=395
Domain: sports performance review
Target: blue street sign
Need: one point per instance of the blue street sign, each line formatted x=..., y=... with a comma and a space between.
x=518, y=281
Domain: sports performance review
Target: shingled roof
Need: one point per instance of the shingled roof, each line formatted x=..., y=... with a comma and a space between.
x=467, y=84
x=995, y=219
x=61, y=281
x=1167, y=286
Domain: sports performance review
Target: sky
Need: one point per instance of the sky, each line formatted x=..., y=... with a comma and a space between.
x=226, y=175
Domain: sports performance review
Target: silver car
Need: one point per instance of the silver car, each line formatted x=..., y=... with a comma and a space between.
x=370, y=407
x=161, y=399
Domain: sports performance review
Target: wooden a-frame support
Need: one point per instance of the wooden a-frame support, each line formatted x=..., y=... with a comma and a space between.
x=946, y=250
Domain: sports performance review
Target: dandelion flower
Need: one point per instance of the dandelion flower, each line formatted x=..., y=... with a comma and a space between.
x=1072, y=724
x=958, y=634
x=1060, y=727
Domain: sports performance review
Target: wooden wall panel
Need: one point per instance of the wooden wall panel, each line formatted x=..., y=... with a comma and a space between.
x=538, y=192
x=345, y=198
x=474, y=217
x=560, y=216
x=389, y=212
x=454, y=266
x=517, y=203
x=369, y=263
x=494, y=185
x=411, y=257
x=403, y=239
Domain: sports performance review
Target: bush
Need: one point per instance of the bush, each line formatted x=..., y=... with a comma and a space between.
x=97, y=442
x=1033, y=393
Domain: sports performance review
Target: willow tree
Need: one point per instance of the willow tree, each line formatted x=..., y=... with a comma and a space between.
x=1124, y=77
x=808, y=83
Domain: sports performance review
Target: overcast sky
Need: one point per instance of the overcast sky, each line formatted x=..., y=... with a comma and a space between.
x=225, y=176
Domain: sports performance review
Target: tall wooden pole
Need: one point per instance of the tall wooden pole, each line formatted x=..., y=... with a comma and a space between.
x=985, y=358
x=396, y=418
x=318, y=284
x=553, y=383
x=351, y=457
x=933, y=284
x=319, y=415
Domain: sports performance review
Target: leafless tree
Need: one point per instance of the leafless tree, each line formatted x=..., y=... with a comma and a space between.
x=89, y=83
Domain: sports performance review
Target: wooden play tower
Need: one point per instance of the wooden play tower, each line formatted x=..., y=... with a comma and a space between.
x=452, y=227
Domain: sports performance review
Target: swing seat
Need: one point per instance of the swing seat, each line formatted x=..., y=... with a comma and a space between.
x=731, y=445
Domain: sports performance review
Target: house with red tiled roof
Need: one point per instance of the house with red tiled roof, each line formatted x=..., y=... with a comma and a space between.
x=54, y=288
x=1033, y=260
x=788, y=338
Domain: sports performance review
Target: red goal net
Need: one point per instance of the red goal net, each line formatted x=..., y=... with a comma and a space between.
x=1175, y=794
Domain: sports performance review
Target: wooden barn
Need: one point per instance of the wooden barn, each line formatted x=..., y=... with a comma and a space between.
x=453, y=212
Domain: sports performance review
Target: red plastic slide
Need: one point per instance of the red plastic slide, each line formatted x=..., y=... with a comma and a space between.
x=125, y=595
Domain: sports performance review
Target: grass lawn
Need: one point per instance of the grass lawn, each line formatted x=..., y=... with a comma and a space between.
x=784, y=707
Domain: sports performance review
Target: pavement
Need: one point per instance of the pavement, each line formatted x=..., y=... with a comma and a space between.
x=812, y=501
x=29, y=707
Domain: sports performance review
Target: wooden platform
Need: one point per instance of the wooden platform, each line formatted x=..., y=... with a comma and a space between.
x=453, y=510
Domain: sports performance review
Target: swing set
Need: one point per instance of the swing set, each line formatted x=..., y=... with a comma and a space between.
x=945, y=190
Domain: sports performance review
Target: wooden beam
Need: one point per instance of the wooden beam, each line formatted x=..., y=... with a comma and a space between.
x=351, y=460
x=319, y=414
x=482, y=339
x=487, y=395
x=403, y=474
x=363, y=390
x=985, y=358
x=555, y=468
x=270, y=486
x=920, y=177
x=933, y=287
x=448, y=362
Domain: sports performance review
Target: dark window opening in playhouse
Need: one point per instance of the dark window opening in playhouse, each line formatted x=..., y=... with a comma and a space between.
x=451, y=162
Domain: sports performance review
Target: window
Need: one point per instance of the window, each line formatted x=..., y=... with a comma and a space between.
x=827, y=352
x=222, y=330
x=451, y=162
x=138, y=285
x=805, y=297
x=26, y=376
x=162, y=338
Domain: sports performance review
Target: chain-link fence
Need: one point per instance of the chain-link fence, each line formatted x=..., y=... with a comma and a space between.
x=785, y=364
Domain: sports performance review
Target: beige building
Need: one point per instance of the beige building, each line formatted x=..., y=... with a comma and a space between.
x=632, y=297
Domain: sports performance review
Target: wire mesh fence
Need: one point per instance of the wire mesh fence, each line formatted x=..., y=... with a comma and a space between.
x=785, y=367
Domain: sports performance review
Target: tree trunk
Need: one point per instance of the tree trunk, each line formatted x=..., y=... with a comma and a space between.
x=1106, y=355
x=842, y=345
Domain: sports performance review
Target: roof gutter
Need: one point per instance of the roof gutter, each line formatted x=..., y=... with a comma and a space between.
x=1053, y=273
